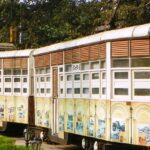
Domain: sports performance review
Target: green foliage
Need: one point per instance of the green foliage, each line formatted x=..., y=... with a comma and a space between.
x=43, y=22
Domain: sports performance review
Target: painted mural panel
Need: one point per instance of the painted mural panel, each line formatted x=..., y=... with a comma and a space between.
x=2, y=109
x=118, y=129
x=10, y=109
x=80, y=117
x=91, y=121
x=61, y=115
x=21, y=109
x=70, y=115
x=42, y=112
x=144, y=134
x=100, y=120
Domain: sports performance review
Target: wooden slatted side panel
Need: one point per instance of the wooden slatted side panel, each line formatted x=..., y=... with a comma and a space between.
x=46, y=60
x=60, y=58
x=140, y=47
x=120, y=49
x=57, y=58
x=54, y=58
x=24, y=62
x=76, y=55
x=55, y=82
x=94, y=52
x=102, y=50
x=68, y=56
x=8, y=63
x=17, y=63
x=0, y=63
x=42, y=60
x=84, y=53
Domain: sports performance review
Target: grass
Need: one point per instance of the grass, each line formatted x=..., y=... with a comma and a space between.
x=7, y=143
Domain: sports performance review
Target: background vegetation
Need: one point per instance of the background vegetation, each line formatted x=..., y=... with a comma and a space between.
x=37, y=23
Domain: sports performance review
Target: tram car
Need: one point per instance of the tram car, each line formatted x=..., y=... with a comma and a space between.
x=94, y=88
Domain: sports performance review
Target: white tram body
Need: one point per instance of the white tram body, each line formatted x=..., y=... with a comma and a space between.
x=96, y=87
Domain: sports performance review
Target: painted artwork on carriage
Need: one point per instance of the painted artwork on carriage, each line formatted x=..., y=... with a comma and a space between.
x=11, y=113
x=1, y=111
x=144, y=134
x=70, y=122
x=91, y=126
x=118, y=130
x=21, y=111
x=61, y=123
x=39, y=117
x=46, y=119
x=101, y=129
x=79, y=123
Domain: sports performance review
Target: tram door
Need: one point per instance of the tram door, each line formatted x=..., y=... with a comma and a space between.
x=55, y=101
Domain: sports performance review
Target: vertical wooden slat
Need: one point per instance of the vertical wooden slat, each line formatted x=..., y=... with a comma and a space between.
x=54, y=58
x=76, y=55
x=55, y=82
x=140, y=47
x=46, y=60
x=60, y=58
x=84, y=53
x=24, y=62
x=102, y=50
x=120, y=49
x=68, y=56
x=94, y=52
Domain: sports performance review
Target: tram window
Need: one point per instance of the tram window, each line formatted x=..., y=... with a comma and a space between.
x=42, y=71
x=7, y=90
x=24, y=90
x=61, y=78
x=95, y=65
x=143, y=62
x=0, y=90
x=7, y=79
x=48, y=90
x=85, y=66
x=142, y=75
x=77, y=91
x=120, y=63
x=69, y=77
x=0, y=72
x=77, y=77
x=24, y=72
x=141, y=92
x=42, y=79
x=85, y=90
x=16, y=79
x=68, y=68
x=69, y=90
x=61, y=69
x=103, y=64
x=42, y=90
x=17, y=90
x=121, y=75
x=121, y=91
x=37, y=90
x=0, y=79
x=61, y=91
x=47, y=79
x=24, y=79
x=95, y=90
x=37, y=71
x=85, y=76
x=7, y=72
x=16, y=72
x=95, y=76
x=37, y=79
x=47, y=70
x=103, y=75
x=103, y=91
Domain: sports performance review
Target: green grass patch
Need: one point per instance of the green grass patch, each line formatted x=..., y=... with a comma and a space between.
x=7, y=143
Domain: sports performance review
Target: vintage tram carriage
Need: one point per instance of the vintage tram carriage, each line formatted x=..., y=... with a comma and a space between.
x=96, y=87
